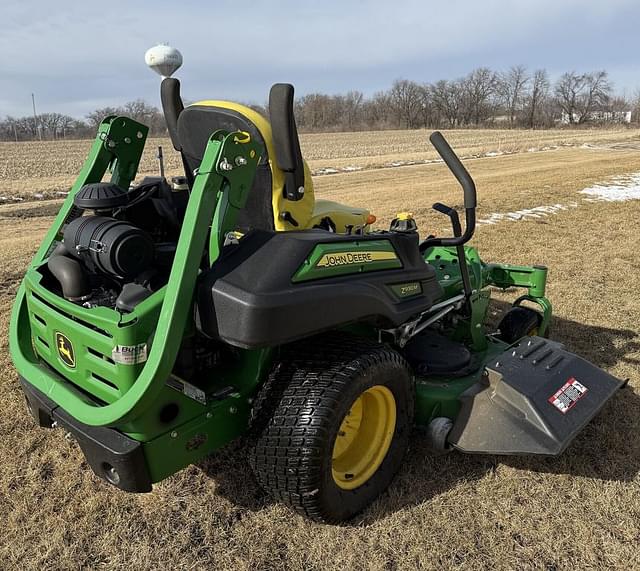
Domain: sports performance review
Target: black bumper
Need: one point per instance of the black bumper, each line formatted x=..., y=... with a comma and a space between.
x=113, y=456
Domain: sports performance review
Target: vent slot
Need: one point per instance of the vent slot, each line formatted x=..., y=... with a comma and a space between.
x=105, y=381
x=39, y=320
x=43, y=342
x=101, y=356
x=77, y=320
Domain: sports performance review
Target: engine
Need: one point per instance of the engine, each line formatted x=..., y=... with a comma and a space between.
x=119, y=250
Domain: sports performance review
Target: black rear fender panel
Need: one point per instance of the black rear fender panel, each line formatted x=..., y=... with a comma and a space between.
x=248, y=299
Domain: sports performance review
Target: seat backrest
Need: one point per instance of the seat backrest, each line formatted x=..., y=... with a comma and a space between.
x=281, y=197
x=285, y=139
x=197, y=122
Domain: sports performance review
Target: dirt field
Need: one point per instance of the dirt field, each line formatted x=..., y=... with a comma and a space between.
x=579, y=511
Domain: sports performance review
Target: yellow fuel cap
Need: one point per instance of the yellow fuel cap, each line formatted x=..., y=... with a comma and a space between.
x=404, y=216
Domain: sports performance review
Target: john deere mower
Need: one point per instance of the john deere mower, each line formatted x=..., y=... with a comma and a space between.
x=160, y=320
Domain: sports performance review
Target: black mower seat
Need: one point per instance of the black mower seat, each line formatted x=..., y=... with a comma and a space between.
x=248, y=298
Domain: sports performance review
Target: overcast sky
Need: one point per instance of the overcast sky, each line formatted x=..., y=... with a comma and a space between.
x=80, y=55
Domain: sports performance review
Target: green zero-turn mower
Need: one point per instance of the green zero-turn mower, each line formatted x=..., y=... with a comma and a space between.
x=161, y=320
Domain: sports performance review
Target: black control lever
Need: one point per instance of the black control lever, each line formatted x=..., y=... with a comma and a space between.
x=469, y=188
x=452, y=213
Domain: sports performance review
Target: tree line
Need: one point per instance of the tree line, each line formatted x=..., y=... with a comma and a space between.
x=514, y=98
x=55, y=126
x=482, y=98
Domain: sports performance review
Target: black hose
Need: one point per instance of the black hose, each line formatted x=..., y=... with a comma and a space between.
x=71, y=277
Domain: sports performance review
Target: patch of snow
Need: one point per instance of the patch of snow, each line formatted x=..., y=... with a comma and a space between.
x=493, y=154
x=327, y=170
x=38, y=195
x=526, y=213
x=618, y=189
x=352, y=168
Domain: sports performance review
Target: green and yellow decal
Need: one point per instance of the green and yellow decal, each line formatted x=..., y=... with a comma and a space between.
x=344, y=258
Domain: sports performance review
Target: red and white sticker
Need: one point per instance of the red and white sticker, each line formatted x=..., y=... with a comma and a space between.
x=566, y=397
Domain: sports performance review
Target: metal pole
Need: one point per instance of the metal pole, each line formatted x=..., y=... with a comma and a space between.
x=35, y=117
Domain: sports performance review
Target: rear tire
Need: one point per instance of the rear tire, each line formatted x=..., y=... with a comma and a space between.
x=331, y=425
x=519, y=322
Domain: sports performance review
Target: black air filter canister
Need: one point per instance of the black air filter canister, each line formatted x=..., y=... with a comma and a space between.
x=112, y=246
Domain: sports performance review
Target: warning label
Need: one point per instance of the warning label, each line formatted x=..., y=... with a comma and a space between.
x=566, y=397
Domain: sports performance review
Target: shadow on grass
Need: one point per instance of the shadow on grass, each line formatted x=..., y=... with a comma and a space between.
x=234, y=479
x=607, y=449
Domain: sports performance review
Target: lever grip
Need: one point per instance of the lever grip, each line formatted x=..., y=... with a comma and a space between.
x=452, y=213
x=456, y=167
x=442, y=208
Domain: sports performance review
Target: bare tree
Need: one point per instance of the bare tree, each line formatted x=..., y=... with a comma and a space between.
x=406, y=100
x=352, y=108
x=9, y=129
x=578, y=95
x=479, y=88
x=537, y=97
x=377, y=111
x=139, y=110
x=96, y=117
x=596, y=94
x=567, y=90
x=427, y=108
x=447, y=98
x=512, y=87
x=635, y=107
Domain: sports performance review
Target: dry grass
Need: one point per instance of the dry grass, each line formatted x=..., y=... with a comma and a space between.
x=579, y=511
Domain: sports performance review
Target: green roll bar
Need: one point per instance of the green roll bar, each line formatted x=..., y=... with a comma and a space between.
x=219, y=191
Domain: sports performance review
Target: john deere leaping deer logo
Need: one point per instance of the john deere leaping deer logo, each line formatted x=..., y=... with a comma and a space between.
x=65, y=350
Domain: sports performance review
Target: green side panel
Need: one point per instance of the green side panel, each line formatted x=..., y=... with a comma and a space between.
x=192, y=441
x=444, y=261
x=346, y=258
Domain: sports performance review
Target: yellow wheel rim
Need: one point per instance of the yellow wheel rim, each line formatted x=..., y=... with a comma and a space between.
x=364, y=437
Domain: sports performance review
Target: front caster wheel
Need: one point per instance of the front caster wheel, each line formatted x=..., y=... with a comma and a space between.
x=332, y=425
x=519, y=322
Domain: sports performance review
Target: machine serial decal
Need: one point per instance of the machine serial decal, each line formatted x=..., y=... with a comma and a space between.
x=65, y=350
x=129, y=354
x=566, y=397
x=352, y=258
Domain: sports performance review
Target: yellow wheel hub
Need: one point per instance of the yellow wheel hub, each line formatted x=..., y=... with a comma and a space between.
x=364, y=437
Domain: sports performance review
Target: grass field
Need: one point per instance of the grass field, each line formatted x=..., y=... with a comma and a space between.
x=579, y=511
